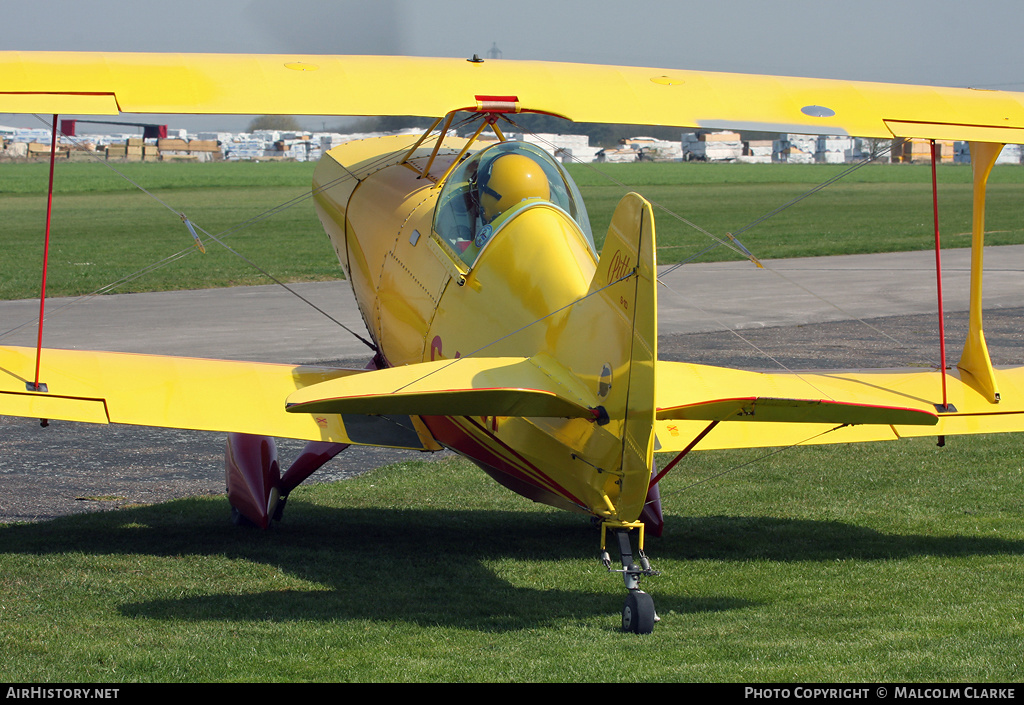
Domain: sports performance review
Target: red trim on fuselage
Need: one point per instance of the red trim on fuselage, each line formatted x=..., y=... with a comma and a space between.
x=449, y=433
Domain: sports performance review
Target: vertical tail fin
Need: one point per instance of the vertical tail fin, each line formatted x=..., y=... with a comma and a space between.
x=612, y=342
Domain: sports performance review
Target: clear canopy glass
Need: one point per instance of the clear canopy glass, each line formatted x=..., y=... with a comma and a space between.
x=467, y=215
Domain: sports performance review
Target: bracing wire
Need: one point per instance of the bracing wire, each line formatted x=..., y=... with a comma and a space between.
x=521, y=329
x=625, y=187
x=383, y=159
x=369, y=167
x=825, y=184
x=287, y=288
x=758, y=349
x=752, y=461
x=741, y=250
x=810, y=192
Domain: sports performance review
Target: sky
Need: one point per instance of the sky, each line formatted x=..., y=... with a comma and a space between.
x=935, y=42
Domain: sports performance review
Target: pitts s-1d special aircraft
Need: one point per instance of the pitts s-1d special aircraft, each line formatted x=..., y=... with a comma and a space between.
x=499, y=330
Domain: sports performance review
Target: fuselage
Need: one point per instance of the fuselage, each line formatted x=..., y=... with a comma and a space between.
x=429, y=287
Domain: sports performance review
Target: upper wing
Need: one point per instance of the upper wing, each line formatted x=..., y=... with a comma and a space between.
x=108, y=83
x=825, y=406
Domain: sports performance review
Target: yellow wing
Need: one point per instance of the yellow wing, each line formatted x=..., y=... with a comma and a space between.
x=836, y=406
x=108, y=83
x=288, y=401
x=179, y=392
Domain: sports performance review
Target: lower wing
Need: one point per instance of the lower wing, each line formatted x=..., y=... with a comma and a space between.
x=779, y=409
x=378, y=407
x=191, y=393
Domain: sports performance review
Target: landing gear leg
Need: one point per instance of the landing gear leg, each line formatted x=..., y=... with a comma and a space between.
x=638, y=615
x=256, y=489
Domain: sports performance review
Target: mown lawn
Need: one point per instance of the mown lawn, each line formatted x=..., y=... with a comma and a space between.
x=869, y=563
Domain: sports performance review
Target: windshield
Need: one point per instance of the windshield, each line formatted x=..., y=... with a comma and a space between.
x=484, y=190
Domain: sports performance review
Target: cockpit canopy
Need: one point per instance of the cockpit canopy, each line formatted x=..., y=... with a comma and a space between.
x=491, y=186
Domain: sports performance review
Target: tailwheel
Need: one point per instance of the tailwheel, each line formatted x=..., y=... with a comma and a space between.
x=638, y=614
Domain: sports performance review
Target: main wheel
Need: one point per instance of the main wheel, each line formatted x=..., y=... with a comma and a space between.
x=638, y=613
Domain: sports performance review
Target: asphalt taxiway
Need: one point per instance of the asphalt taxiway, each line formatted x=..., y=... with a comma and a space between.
x=272, y=324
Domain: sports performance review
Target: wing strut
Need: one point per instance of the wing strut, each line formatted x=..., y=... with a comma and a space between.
x=975, y=359
x=700, y=436
x=36, y=387
x=938, y=282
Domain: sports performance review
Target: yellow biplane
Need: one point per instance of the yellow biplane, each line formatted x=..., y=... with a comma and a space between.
x=498, y=329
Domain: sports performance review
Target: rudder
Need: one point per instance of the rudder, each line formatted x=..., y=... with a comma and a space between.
x=611, y=341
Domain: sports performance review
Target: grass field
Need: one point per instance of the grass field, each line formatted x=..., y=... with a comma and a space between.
x=868, y=563
x=872, y=563
x=106, y=229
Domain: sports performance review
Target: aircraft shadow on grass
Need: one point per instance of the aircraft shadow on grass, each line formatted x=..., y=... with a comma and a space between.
x=432, y=566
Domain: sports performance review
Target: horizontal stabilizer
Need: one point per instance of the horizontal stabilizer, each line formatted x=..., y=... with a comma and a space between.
x=798, y=411
x=505, y=386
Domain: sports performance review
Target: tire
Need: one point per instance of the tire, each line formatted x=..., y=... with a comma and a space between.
x=638, y=613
